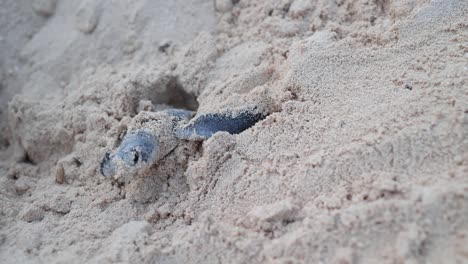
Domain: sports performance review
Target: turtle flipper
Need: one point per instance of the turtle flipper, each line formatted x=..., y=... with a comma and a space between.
x=205, y=125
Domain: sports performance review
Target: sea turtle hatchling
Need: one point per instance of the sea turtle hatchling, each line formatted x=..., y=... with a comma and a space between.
x=154, y=138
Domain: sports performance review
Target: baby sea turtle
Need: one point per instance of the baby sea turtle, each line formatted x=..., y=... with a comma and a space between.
x=156, y=137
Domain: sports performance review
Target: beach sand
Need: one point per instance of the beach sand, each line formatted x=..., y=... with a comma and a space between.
x=363, y=157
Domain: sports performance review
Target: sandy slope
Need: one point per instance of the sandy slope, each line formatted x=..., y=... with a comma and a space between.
x=364, y=157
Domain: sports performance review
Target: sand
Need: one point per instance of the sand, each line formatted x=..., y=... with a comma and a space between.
x=363, y=157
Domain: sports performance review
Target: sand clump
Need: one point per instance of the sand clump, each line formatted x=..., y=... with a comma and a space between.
x=362, y=158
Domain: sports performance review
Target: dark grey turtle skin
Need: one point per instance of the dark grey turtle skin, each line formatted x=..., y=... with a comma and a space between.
x=143, y=147
x=204, y=126
x=139, y=147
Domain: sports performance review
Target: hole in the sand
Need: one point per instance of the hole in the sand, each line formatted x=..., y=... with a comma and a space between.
x=27, y=159
x=180, y=98
x=286, y=7
x=13, y=176
x=164, y=47
x=77, y=162
x=175, y=96
x=4, y=143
